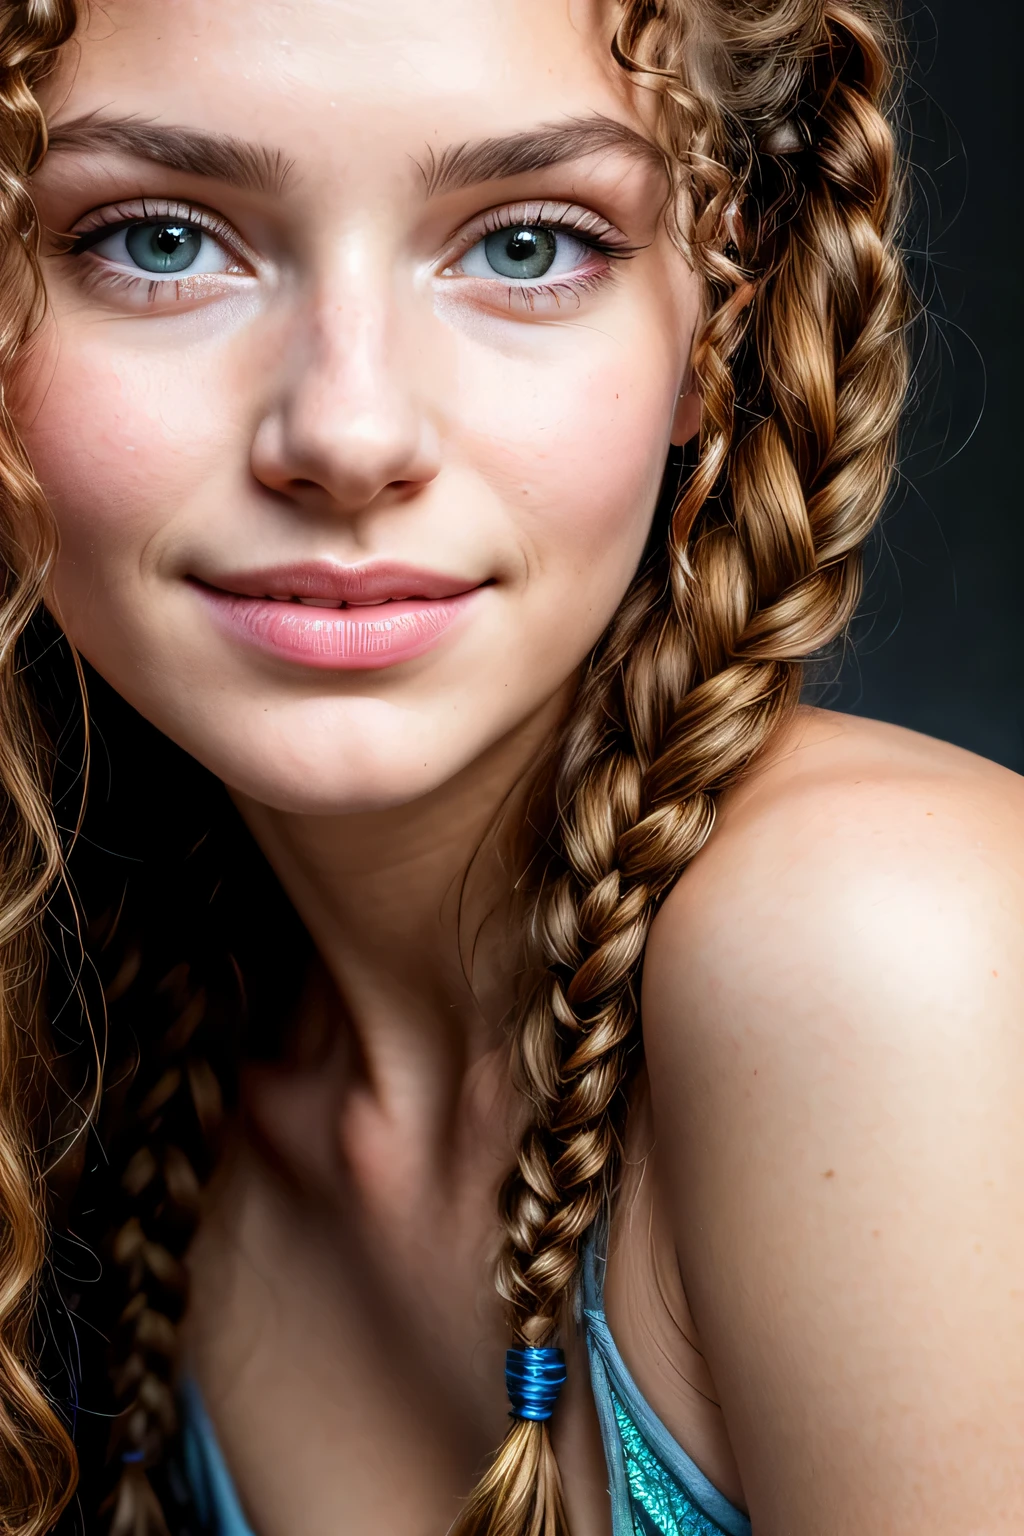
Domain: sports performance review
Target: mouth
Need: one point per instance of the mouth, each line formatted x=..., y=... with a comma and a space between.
x=322, y=584
x=339, y=617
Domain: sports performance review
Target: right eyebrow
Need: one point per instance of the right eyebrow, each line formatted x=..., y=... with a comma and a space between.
x=252, y=167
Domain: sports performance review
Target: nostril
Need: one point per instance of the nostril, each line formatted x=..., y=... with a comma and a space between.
x=403, y=489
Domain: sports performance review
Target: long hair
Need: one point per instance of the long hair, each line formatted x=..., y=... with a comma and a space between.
x=37, y=1463
x=775, y=121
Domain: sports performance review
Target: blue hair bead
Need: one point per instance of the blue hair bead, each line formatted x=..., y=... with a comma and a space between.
x=533, y=1379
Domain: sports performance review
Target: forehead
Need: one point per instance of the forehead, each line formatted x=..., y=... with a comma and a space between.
x=312, y=74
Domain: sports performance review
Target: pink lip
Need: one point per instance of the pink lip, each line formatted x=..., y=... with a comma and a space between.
x=398, y=611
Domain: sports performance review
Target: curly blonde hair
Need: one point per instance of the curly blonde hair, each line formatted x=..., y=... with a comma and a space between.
x=775, y=120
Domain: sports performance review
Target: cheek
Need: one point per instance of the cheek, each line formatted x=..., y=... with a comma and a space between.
x=576, y=453
x=122, y=443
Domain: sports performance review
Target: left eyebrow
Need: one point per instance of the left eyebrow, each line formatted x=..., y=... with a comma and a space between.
x=251, y=167
x=464, y=165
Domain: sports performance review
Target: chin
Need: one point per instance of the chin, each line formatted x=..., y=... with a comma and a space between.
x=329, y=792
x=329, y=758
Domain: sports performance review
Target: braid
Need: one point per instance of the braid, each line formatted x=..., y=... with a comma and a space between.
x=204, y=911
x=801, y=370
x=166, y=1132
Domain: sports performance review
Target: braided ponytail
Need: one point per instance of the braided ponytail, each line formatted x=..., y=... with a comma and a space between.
x=164, y=1147
x=774, y=117
x=197, y=910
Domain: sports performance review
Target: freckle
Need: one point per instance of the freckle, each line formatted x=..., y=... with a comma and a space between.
x=876, y=1233
x=829, y=1173
x=929, y=813
x=977, y=1247
x=995, y=973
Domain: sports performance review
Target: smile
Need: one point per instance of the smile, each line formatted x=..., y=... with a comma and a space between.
x=342, y=618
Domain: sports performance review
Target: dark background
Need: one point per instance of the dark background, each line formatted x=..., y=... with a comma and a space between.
x=939, y=643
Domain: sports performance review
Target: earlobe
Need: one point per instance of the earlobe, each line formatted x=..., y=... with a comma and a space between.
x=686, y=422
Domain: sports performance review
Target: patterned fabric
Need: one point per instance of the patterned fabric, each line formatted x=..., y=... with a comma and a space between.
x=660, y=1507
x=654, y=1486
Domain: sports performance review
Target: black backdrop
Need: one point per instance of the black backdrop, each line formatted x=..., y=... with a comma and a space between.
x=939, y=643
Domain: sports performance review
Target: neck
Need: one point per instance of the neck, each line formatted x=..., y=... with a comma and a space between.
x=409, y=908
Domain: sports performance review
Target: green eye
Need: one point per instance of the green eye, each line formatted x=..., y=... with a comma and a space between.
x=163, y=247
x=524, y=252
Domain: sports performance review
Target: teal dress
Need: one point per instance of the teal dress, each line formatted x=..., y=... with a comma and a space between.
x=655, y=1489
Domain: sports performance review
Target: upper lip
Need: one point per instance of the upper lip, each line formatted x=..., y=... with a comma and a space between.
x=378, y=581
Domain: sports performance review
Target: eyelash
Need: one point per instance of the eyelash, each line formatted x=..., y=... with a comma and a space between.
x=101, y=273
x=589, y=228
x=144, y=211
x=585, y=226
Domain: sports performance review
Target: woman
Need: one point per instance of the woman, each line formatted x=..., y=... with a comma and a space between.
x=368, y=333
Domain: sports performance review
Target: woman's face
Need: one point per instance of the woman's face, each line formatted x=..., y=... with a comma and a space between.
x=359, y=378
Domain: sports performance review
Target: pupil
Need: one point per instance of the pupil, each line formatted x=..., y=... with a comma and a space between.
x=163, y=247
x=522, y=244
x=523, y=253
x=169, y=238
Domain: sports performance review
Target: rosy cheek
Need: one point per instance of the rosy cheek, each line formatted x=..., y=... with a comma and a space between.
x=577, y=456
x=118, y=446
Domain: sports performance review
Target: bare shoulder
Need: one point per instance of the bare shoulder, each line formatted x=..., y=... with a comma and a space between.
x=835, y=778
x=833, y=1013
x=856, y=843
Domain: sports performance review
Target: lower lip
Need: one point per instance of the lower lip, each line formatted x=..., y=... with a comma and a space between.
x=339, y=639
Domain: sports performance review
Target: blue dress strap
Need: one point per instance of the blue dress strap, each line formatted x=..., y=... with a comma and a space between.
x=210, y=1482
x=655, y=1486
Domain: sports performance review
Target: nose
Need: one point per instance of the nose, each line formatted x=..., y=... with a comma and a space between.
x=349, y=422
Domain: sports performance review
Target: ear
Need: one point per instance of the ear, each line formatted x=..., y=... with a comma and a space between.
x=686, y=421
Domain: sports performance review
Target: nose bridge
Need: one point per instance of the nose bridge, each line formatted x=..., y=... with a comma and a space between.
x=357, y=315
x=354, y=413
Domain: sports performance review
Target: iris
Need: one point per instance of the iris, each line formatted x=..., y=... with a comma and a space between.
x=163, y=247
x=523, y=252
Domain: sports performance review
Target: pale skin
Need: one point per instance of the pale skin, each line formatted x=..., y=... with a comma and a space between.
x=817, y=1264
